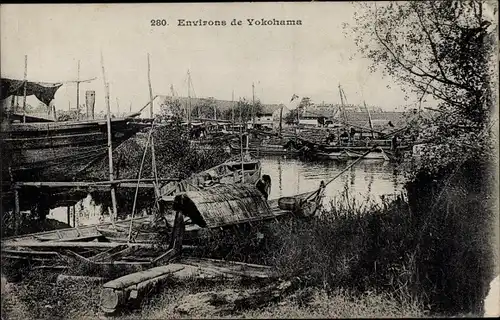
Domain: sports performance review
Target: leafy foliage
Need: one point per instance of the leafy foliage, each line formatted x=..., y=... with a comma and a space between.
x=174, y=158
x=442, y=50
x=243, y=110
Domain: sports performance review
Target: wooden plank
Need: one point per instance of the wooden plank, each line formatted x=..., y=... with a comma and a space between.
x=88, y=261
x=66, y=244
x=105, y=254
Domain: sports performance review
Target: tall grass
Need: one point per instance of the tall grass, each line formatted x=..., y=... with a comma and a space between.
x=429, y=247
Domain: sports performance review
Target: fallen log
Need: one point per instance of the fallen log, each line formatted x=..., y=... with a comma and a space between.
x=133, y=286
x=118, y=292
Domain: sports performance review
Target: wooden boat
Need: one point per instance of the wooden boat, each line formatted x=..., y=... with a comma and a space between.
x=351, y=150
x=229, y=172
x=58, y=151
x=345, y=155
x=272, y=146
x=226, y=205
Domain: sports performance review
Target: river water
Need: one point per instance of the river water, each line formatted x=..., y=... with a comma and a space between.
x=366, y=181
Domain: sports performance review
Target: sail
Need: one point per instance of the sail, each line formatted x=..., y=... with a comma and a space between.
x=43, y=91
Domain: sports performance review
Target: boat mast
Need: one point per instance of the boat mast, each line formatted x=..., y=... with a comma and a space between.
x=232, y=103
x=189, y=97
x=154, y=173
x=78, y=92
x=150, y=90
x=369, y=119
x=342, y=103
x=241, y=146
x=253, y=106
x=110, y=146
x=25, y=85
x=281, y=119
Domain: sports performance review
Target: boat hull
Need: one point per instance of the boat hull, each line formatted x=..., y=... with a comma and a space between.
x=263, y=149
x=58, y=151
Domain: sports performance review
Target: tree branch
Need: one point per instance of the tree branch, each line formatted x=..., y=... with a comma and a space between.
x=432, y=44
x=423, y=73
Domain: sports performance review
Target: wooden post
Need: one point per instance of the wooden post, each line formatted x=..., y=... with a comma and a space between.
x=78, y=92
x=25, y=86
x=74, y=216
x=90, y=103
x=110, y=146
x=150, y=90
x=68, y=215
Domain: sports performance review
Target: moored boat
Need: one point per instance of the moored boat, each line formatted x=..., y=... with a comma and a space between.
x=58, y=151
x=229, y=172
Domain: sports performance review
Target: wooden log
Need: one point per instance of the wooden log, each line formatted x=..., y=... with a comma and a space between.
x=133, y=286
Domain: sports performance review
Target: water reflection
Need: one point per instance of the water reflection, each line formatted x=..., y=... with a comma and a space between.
x=367, y=180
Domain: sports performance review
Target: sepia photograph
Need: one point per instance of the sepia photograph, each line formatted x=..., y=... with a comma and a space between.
x=250, y=160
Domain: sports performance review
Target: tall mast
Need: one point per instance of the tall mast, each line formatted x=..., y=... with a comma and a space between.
x=342, y=103
x=189, y=97
x=25, y=85
x=369, y=119
x=241, y=147
x=253, y=105
x=78, y=92
x=281, y=118
x=232, y=103
x=150, y=90
x=110, y=147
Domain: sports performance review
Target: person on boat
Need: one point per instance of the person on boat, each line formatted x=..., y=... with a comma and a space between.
x=264, y=185
x=344, y=137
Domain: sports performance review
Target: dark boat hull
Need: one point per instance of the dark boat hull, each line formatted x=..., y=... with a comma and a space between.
x=259, y=149
x=58, y=151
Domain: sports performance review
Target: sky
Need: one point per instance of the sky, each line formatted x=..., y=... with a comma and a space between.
x=310, y=60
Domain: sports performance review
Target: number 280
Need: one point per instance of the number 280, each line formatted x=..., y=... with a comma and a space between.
x=158, y=22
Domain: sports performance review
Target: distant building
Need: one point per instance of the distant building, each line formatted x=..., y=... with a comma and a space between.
x=318, y=116
x=269, y=116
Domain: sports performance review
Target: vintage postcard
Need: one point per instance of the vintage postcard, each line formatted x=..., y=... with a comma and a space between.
x=271, y=160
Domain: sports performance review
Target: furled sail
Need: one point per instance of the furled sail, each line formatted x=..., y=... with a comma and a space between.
x=43, y=91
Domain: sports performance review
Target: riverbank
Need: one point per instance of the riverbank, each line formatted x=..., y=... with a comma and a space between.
x=348, y=261
x=38, y=299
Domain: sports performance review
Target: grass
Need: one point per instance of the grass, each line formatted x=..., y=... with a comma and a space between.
x=424, y=253
x=37, y=298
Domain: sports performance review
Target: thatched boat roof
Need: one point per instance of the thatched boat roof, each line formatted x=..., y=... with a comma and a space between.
x=223, y=205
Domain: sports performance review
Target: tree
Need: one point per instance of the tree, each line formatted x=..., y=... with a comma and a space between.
x=244, y=109
x=291, y=117
x=206, y=109
x=441, y=49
